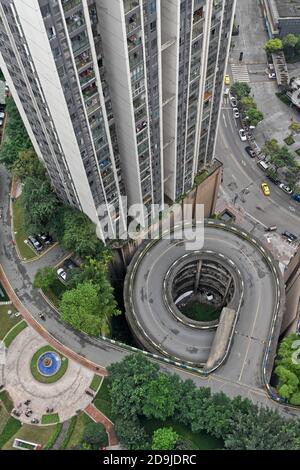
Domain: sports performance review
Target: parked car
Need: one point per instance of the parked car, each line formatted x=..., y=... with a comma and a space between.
x=285, y=188
x=209, y=296
x=2, y=115
x=233, y=101
x=290, y=236
x=227, y=80
x=69, y=264
x=236, y=113
x=296, y=197
x=45, y=239
x=273, y=178
x=61, y=274
x=272, y=228
x=35, y=243
x=272, y=75
x=250, y=151
x=242, y=135
x=1, y=122
x=265, y=188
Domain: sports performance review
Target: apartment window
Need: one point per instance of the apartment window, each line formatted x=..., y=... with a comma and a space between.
x=152, y=6
x=153, y=26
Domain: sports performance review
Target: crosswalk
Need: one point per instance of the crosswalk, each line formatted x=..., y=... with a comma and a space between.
x=240, y=73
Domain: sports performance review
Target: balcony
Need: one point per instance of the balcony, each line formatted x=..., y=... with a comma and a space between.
x=79, y=41
x=92, y=104
x=133, y=22
x=90, y=91
x=140, y=126
x=130, y=5
x=133, y=41
x=69, y=4
x=75, y=21
x=83, y=59
x=87, y=75
x=198, y=29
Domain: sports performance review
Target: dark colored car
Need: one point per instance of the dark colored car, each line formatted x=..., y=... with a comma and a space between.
x=44, y=238
x=290, y=236
x=250, y=151
x=296, y=197
x=35, y=243
x=69, y=264
x=273, y=179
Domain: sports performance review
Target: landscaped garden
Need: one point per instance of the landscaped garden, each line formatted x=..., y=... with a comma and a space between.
x=43, y=435
x=102, y=400
x=47, y=365
x=75, y=431
x=13, y=333
x=96, y=382
x=51, y=418
x=7, y=320
x=26, y=252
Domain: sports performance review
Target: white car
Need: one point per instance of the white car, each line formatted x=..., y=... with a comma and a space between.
x=2, y=115
x=272, y=75
x=236, y=113
x=62, y=273
x=209, y=296
x=233, y=101
x=242, y=135
x=285, y=188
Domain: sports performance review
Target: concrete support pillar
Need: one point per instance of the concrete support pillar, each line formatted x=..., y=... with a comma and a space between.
x=197, y=278
x=227, y=289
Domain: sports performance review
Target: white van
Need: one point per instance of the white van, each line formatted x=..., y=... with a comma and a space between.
x=263, y=165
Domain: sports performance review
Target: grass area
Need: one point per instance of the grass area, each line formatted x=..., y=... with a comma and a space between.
x=201, y=312
x=20, y=234
x=289, y=140
x=37, y=434
x=7, y=321
x=298, y=152
x=6, y=400
x=14, y=332
x=97, y=379
x=54, y=436
x=42, y=378
x=200, y=441
x=4, y=417
x=103, y=401
x=55, y=292
x=11, y=427
x=75, y=438
x=51, y=418
x=69, y=433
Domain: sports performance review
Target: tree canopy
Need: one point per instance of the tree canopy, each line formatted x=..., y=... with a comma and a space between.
x=240, y=89
x=27, y=165
x=164, y=439
x=45, y=278
x=95, y=435
x=273, y=45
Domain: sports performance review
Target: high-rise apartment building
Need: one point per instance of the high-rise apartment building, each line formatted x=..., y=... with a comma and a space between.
x=119, y=97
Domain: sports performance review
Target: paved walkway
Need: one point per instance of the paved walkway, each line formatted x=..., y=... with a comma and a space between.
x=66, y=396
x=99, y=417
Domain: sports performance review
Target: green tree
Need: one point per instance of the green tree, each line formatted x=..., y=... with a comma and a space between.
x=273, y=45
x=184, y=444
x=95, y=435
x=289, y=43
x=164, y=439
x=128, y=384
x=80, y=308
x=131, y=434
x=294, y=127
x=80, y=236
x=254, y=116
x=40, y=204
x=240, y=89
x=45, y=278
x=279, y=156
x=16, y=138
x=161, y=397
x=288, y=382
x=27, y=164
x=248, y=102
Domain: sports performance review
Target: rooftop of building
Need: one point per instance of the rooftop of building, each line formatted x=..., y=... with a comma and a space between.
x=287, y=8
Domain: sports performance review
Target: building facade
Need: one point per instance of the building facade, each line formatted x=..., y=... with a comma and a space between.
x=119, y=97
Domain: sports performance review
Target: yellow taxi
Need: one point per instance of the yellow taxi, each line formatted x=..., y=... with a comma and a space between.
x=265, y=188
x=227, y=80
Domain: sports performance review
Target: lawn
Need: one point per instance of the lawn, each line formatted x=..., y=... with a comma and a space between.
x=4, y=416
x=14, y=332
x=52, y=378
x=55, y=292
x=37, y=434
x=20, y=235
x=7, y=321
x=201, y=440
x=81, y=421
x=97, y=379
x=103, y=401
x=5, y=399
x=11, y=427
x=201, y=312
x=51, y=418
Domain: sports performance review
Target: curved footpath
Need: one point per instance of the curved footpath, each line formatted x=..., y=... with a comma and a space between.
x=97, y=353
